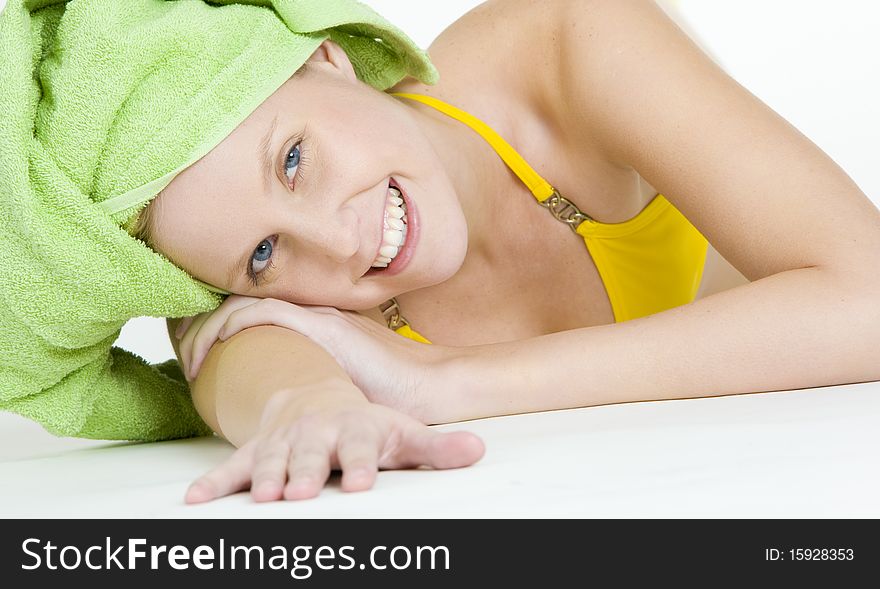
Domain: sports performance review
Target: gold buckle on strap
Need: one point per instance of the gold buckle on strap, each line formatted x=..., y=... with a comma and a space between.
x=564, y=210
x=391, y=312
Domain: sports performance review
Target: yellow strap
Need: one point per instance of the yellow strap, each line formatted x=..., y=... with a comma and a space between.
x=540, y=188
x=407, y=331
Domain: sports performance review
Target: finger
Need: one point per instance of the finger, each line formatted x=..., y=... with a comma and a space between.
x=186, y=343
x=358, y=455
x=422, y=446
x=270, y=470
x=231, y=476
x=205, y=338
x=183, y=326
x=208, y=330
x=309, y=470
x=322, y=309
x=274, y=312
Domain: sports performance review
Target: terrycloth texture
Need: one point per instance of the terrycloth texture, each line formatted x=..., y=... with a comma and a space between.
x=103, y=102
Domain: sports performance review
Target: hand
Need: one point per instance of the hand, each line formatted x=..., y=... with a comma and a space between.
x=291, y=457
x=390, y=369
x=198, y=333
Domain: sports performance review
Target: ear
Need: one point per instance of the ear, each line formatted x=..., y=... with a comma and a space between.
x=329, y=54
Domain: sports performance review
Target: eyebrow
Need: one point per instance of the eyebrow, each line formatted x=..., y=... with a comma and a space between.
x=266, y=159
x=266, y=156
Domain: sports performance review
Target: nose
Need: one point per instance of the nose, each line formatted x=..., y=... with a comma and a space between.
x=333, y=236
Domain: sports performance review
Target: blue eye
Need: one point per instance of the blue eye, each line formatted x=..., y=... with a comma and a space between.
x=262, y=254
x=292, y=160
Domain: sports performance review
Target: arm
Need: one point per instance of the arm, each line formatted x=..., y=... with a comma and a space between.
x=259, y=368
x=796, y=329
x=770, y=201
x=295, y=415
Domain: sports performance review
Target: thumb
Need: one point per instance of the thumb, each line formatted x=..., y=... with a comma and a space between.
x=422, y=446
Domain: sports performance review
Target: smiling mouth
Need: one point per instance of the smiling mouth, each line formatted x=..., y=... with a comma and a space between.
x=394, y=230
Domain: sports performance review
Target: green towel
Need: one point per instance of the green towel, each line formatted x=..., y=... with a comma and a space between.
x=102, y=103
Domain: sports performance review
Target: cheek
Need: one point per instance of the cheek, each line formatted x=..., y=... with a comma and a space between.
x=443, y=235
x=310, y=286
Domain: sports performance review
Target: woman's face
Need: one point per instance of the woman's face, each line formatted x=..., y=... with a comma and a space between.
x=309, y=227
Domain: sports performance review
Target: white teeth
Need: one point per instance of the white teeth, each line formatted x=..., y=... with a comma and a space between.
x=394, y=235
x=389, y=251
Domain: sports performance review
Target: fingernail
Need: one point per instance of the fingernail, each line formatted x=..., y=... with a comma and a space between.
x=197, y=493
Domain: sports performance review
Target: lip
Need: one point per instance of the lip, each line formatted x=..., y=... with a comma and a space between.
x=401, y=260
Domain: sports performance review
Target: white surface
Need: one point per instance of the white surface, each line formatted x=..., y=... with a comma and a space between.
x=810, y=453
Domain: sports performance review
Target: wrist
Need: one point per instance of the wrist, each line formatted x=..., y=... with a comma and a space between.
x=461, y=378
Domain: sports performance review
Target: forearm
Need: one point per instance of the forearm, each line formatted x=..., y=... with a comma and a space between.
x=797, y=329
x=250, y=376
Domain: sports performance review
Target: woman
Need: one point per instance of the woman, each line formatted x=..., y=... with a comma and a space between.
x=702, y=261
x=612, y=103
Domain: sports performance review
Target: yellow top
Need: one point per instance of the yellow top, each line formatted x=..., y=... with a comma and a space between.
x=647, y=264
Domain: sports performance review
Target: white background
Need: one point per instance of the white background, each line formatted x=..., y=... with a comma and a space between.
x=801, y=454
x=815, y=62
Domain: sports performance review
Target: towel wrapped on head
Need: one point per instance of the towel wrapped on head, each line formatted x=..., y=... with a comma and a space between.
x=103, y=103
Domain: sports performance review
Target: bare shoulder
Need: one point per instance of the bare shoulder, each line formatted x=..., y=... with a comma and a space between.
x=500, y=46
x=493, y=60
x=522, y=63
x=521, y=54
x=500, y=62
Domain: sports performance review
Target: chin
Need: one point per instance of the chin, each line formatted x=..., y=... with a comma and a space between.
x=442, y=273
x=442, y=266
